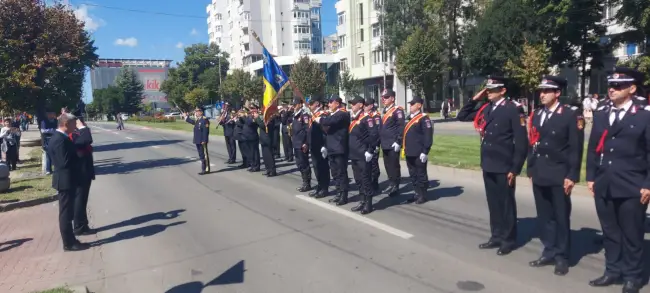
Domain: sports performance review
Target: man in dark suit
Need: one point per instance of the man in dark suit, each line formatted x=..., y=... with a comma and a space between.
x=83, y=139
x=63, y=153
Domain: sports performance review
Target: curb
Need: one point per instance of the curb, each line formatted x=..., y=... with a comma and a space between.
x=79, y=289
x=26, y=203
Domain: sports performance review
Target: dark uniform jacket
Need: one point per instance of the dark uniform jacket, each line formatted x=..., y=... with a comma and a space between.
x=392, y=127
x=239, y=128
x=266, y=131
x=316, y=136
x=418, y=138
x=336, y=125
x=504, y=141
x=63, y=154
x=249, y=130
x=556, y=148
x=228, y=125
x=621, y=163
x=83, y=140
x=286, y=118
x=377, y=123
x=201, y=129
x=363, y=137
x=300, y=129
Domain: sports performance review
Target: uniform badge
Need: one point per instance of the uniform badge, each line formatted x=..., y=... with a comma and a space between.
x=370, y=123
x=377, y=120
x=522, y=120
x=400, y=115
x=428, y=122
x=581, y=123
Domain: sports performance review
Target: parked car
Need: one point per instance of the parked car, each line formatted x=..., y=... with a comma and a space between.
x=176, y=115
x=125, y=117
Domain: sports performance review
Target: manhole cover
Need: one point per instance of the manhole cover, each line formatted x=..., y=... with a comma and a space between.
x=470, y=286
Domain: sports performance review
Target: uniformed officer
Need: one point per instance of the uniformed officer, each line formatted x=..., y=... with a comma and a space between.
x=267, y=135
x=371, y=111
x=275, y=135
x=201, y=133
x=362, y=145
x=252, y=139
x=316, y=143
x=299, y=132
x=391, y=134
x=416, y=144
x=336, y=142
x=228, y=124
x=504, y=146
x=617, y=174
x=554, y=160
x=286, y=117
x=239, y=128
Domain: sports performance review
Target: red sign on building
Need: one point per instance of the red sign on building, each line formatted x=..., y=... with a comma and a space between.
x=152, y=85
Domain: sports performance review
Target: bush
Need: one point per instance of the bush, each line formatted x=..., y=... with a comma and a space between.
x=157, y=119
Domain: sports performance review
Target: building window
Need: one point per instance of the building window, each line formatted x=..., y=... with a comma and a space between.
x=344, y=64
x=246, y=15
x=246, y=47
x=377, y=57
x=219, y=28
x=362, y=60
x=376, y=30
x=301, y=1
x=218, y=17
x=315, y=11
x=360, y=13
x=300, y=14
x=218, y=40
x=341, y=18
x=300, y=29
x=631, y=49
x=342, y=41
x=361, y=35
x=302, y=45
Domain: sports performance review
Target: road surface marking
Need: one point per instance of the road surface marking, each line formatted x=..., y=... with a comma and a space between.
x=212, y=165
x=358, y=217
x=155, y=147
x=115, y=132
x=128, y=137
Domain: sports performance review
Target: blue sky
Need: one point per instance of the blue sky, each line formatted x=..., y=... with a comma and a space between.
x=145, y=28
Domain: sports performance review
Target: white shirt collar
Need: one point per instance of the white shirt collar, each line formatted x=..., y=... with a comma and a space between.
x=62, y=132
x=355, y=115
x=413, y=114
x=553, y=108
x=389, y=107
x=626, y=106
x=499, y=102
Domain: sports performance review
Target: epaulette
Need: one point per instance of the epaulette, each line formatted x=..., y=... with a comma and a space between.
x=574, y=108
x=601, y=108
x=640, y=98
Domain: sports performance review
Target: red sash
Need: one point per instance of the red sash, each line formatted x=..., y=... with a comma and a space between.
x=479, y=120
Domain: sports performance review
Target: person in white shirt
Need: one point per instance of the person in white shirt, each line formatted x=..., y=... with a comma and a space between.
x=9, y=137
x=589, y=105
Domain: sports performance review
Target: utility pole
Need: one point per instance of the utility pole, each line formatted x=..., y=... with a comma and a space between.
x=383, y=36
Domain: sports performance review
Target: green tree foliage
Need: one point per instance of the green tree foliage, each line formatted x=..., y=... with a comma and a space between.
x=108, y=100
x=349, y=85
x=641, y=63
x=421, y=60
x=254, y=89
x=197, y=97
x=529, y=68
x=308, y=76
x=235, y=86
x=132, y=89
x=401, y=18
x=634, y=14
x=44, y=51
x=500, y=33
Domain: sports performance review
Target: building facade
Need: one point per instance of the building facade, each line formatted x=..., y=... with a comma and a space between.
x=152, y=73
x=330, y=44
x=286, y=27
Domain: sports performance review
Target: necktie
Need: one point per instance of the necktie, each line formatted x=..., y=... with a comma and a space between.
x=548, y=116
x=616, y=112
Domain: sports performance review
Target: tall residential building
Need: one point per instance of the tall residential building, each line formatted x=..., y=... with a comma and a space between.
x=286, y=27
x=359, y=39
x=330, y=44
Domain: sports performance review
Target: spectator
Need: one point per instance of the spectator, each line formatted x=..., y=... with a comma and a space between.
x=10, y=136
x=589, y=105
x=48, y=127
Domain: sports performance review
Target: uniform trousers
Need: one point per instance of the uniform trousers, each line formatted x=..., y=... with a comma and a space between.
x=418, y=174
x=339, y=169
x=502, y=207
x=202, y=149
x=287, y=146
x=321, y=170
x=622, y=221
x=391, y=164
x=243, y=152
x=66, y=214
x=554, y=218
x=80, y=218
x=231, y=146
x=302, y=162
x=275, y=147
x=375, y=171
x=253, y=147
x=267, y=155
x=362, y=173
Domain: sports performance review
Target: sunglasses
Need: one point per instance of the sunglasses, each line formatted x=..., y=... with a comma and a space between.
x=619, y=85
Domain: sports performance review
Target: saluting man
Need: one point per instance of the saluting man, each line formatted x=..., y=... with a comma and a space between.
x=316, y=145
x=391, y=133
x=228, y=124
x=554, y=160
x=299, y=131
x=371, y=111
x=252, y=139
x=504, y=146
x=336, y=146
x=201, y=133
x=618, y=174
x=416, y=144
x=362, y=144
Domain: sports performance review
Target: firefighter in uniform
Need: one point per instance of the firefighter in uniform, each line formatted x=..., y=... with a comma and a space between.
x=201, y=133
x=554, y=160
x=267, y=141
x=416, y=144
x=391, y=133
x=299, y=132
x=336, y=125
x=618, y=174
x=286, y=117
x=362, y=144
x=228, y=124
x=504, y=146
x=239, y=128
x=371, y=111
x=316, y=144
x=251, y=139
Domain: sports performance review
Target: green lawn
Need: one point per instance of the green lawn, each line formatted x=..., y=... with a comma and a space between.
x=56, y=290
x=28, y=182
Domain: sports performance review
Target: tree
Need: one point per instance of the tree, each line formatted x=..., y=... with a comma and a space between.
x=401, y=18
x=197, y=97
x=641, y=63
x=349, y=85
x=308, y=76
x=108, y=100
x=254, y=89
x=529, y=68
x=235, y=84
x=44, y=51
x=132, y=89
x=636, y=15
x=422, y=59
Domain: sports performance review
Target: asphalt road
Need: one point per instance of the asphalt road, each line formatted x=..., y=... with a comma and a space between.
x=166, y=229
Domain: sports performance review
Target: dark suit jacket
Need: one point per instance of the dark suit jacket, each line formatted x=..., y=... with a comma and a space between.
x=63, y=154
x=83, y=140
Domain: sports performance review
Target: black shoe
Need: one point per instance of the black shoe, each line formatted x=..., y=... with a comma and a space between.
x=305, y=188
x=255, y=169
x=561, y=267
x=203, y=173
x=632, y=287
x=272, y=174
x=343, y=199
x=315, y=191
x=542, y=262
x=84, y=231
x=391, y=190
x=504, y=250
x=336, y=198
x=489, y=245
x=358, y=207
x=367, y=207
x=604, y=281
x=290, y=160
x=242, y=166
x=420, y=199
x=76, y=247
x=321, y=193
x=250, y=169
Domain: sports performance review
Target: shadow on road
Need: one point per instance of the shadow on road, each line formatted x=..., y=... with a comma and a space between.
x=234, y=275
x=118, y=167
x=142, y=219
x=11, y=244
x=145, y=231
x=406, y=192
x=132, y=145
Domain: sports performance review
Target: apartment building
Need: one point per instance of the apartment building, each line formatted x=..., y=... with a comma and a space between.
x=330, y=44
x=286, y=27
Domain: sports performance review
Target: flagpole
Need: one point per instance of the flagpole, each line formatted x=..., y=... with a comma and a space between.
x=293, y=85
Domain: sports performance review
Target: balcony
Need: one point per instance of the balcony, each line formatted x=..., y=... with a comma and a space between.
x=300, y=21
x=301, y=5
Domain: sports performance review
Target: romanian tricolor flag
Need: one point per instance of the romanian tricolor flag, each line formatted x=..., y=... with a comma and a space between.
x=275, y=81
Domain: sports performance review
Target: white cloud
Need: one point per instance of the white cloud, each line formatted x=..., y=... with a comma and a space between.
x=129, y=42
x=91, y=22
x=194, y=32
x=180, y=45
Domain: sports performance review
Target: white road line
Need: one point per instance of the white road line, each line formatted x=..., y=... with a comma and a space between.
x=358, y=217
x=212, y=165
x=127, y=137
x=155, y=146
x=114, y=132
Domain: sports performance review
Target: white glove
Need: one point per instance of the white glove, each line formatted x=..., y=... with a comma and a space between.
x=423, y=158
x=395, y=147
x=323, y=152
x=377, y=151
x=368, y=156
x=317, y=120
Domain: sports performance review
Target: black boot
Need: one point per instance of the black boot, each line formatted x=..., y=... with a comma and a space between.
x=419, y=196
x=306, y=186
x=359, y=206
x=336, y=198
x=367, y=207
x=321, y=193
x=343, y=199
x=315, y=191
